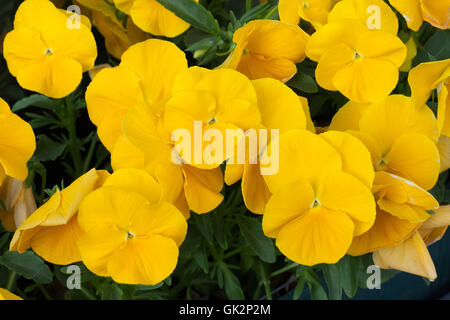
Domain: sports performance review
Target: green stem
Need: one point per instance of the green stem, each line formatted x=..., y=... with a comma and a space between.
x=11, y=279
x=266, y=282
x=88, y=160
x=89, y=295
x=284, y=269
x=248, y=5
x=271, y=12
x=74, y=147
x=232, y=253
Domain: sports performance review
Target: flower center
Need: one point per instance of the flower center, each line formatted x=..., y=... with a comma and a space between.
x=49, y=52
x=130, y=235
x=357, y=56
x=315, y=204
x=212, y=121
x=381, y=164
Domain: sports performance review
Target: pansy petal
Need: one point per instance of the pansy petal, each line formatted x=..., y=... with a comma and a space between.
x=290, y=202
x=415, y=157
x=254, y=189
x=156, y=63
x=318, y=236
x=302, y=155
x=98, y=245
x=150, y=260
x=387, y=231
x=202, y=188
x=356, y=158
x=411, y=256
x=58, y=244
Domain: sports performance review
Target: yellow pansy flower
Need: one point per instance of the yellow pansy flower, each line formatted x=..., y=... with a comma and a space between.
x=313, y=11
x=7, y=295
x=401, y=139
x=362, y=64
x=18, y=200
x=144, y=77
x=131, y=234
x=321, y=196
x=267, y=49
x=372, y=14
x=44, y=54
x=218, y=99
x=152, y=17
x=416, y=11
x=280, y=109
x=17, y=144
x=412, y=254
x=52, y=231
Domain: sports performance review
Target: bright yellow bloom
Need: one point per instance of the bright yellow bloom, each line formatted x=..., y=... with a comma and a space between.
x=145, y=77
x=321, y=196
x=6, y=295
x=267, y=49
x=412, y=254
x=19, y=203
x=361, y=64
x=313, y=11
x=280, y=109
x=131, y=234
x=218, y=99
x=416, y=11
x=44, y=54
x=52, y=231
x=401, y=139
x=152, y=17
x=138, y=91
x=17, y=144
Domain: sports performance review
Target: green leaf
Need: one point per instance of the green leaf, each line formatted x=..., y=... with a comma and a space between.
x=205, y=226
x=251, y=229
x=35, y=100
x=201, y=258
x=332, y=276
x=299, y=288
x=232, y=285
x=435, y=48
x=351, y=271
x=111, y=291
x=194, y=14
x=315, y=286
x=48, y=149
x=303, y=82
x=220, y=232
x=28, y=265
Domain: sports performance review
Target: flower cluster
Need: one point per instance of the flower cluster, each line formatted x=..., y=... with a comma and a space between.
x=180, y=134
